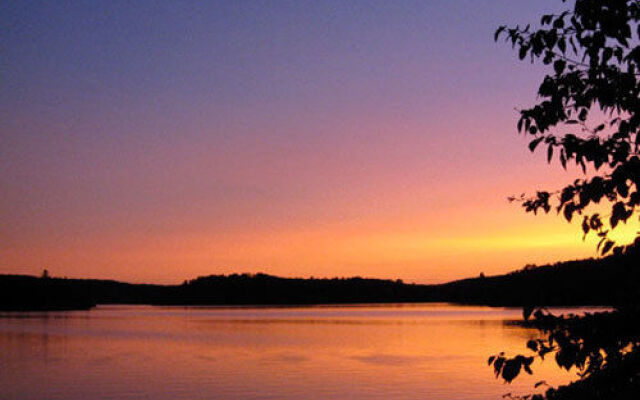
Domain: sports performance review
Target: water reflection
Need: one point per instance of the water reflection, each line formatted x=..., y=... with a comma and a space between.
x=367, y=351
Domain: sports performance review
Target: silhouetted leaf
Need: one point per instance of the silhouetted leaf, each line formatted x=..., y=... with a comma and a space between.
x=558, y=66
x=607, y=246
x=534, y=143
x=511, y=370
x=498, y=364
x=562, y=45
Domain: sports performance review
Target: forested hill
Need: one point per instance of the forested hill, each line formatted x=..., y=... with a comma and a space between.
x=605, y=281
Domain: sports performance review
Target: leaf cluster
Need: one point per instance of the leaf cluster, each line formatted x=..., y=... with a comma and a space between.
x=603, y=347
x=594, y=55
x=509, y=368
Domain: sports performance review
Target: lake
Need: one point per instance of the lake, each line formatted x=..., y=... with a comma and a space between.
x=391, y=351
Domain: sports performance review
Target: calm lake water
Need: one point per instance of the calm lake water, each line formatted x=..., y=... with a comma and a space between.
x=399, y=351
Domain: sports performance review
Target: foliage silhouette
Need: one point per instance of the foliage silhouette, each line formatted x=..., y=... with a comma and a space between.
x=595, y=58
x=596, y=66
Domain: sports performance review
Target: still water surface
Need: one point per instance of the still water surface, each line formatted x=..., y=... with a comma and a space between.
x=401, y=351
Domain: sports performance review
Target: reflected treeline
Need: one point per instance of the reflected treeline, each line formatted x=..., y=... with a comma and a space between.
x=607, y=281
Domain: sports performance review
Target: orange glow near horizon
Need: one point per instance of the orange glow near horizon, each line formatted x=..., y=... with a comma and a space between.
x=373, y=219
x=430, y=253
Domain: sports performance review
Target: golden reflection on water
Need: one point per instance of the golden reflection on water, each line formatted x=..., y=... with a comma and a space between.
x=431, y=351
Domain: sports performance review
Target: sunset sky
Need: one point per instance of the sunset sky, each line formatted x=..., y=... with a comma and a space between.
x=159, y=141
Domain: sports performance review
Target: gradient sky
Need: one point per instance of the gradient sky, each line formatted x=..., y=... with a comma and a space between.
x=161, y=140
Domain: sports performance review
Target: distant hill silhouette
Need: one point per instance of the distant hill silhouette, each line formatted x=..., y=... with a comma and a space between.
x=606, y=281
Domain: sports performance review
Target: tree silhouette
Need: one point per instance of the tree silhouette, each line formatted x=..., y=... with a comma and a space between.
x=587, y=114
x=596, y=65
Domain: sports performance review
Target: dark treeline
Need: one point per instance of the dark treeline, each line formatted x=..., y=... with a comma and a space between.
x=613, y=280
x=19, y=292
x=606, y=281
x=267, y=289
x=23, y=293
